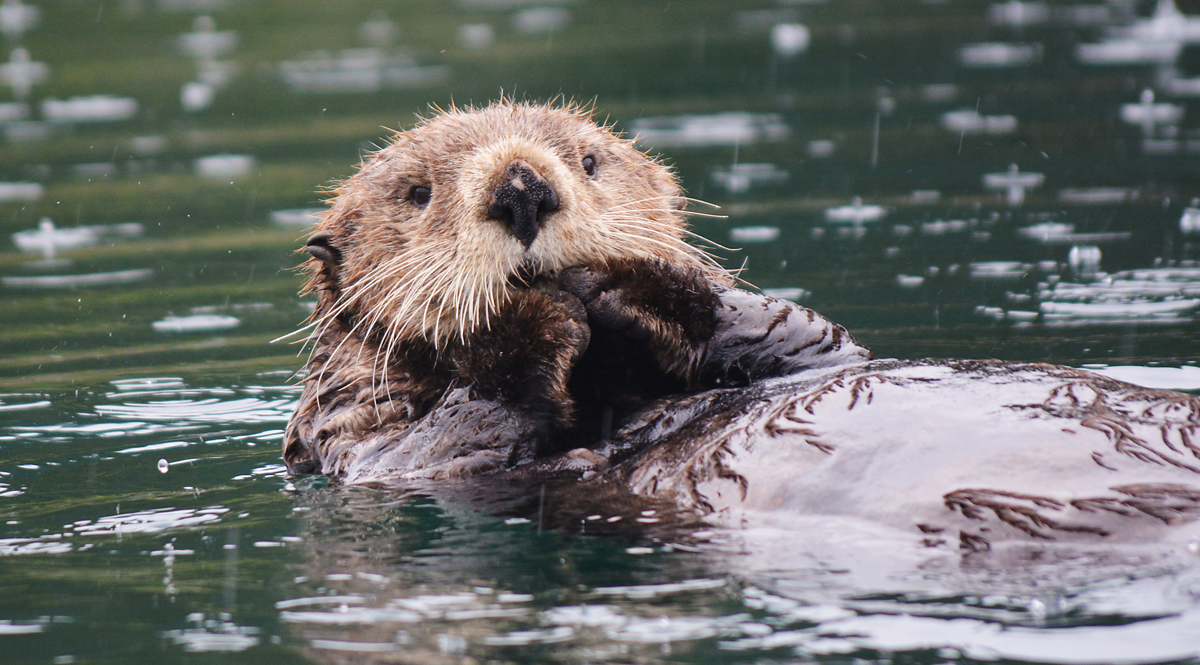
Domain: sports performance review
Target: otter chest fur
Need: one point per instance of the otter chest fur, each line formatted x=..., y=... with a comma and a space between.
x=509, y=290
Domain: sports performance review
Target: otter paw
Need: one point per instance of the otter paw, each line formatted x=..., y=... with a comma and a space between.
x=673, y=307
x=571, y=323
x=669, y=309
x=526, y=356
x=608, y=304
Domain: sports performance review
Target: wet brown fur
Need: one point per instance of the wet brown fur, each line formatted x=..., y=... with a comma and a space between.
x=416, y=300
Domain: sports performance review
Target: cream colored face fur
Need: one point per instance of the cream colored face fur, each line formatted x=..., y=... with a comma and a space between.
x=442, y=269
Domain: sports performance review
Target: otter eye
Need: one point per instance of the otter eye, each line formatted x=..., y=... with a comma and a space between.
x=420, y=196
x=589, y=166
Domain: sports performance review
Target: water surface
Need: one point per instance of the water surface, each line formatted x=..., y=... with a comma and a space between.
x=964, y=179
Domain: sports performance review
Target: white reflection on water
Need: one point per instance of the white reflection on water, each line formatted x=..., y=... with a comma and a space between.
x=166, y=445
x=749, y=234
x=693, y=131
x=73, y=281
x=220, y=635
x=7, y=490
x=540, y=20
x=351, y=615
x=354, y=647
x=206, y=420
x=738, y=178
x=225, y=166
x=793, y=293
x=1172, y=638
x=1098, y=195
x=1149, y=295
x=838, y=586
x=1058, y=233
x=805, y=628
x=20, y=191
x=46, y=238
x=302, y=217
x=358, y=71
x=91, y=108
x=1013, y=182
x=25, y=406
x=148, y=383
x=19, y=546
x=1008, y=270
x=524, y=637
x=320, y=600
x=812, y=585
x=196, y=323
x=205, y=41
x=855, y=213
x=999, y=55
x=656, y=590
x=148, y=521
x=1161, y=378
x=969, y=121
x=245, y=410
x=7, y=627
x=664, y=629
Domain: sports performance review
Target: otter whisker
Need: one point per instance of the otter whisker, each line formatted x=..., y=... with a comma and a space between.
x=293, y=333
x=632, y=204
x=701, y=202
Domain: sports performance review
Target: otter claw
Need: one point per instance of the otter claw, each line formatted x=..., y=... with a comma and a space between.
x=572, y=304
x=605, y=304
x=583, y=282
x=609, y=311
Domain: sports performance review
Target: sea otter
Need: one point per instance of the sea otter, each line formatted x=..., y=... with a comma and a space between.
x=523, y=260
x=510, y=290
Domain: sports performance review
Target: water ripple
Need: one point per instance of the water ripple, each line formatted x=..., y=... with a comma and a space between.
x=219, y=635
x=245, y=410
x=149, y=521
x=19, y=546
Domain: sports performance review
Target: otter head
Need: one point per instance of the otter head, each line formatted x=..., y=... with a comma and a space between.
x=435, y=233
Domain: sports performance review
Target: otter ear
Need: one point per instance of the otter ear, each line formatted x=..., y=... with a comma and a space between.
x=318, y=245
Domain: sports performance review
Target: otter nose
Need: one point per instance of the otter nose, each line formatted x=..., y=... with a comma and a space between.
x=522, y=200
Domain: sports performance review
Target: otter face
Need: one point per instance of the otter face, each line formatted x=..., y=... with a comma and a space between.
x=433, y=235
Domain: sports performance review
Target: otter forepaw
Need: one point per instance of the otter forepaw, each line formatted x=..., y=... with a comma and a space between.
x=607, y=303
x=526, y=356
x=671, y=309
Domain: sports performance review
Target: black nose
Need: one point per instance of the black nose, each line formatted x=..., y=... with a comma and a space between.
x=522, y=200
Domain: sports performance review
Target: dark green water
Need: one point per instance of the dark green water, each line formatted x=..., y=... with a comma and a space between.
x=144, y=511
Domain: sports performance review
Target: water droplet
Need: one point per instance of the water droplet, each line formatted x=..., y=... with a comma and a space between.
x=163, y=465
x=1193, y=546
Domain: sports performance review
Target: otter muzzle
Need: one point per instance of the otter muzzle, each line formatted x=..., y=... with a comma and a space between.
x=522, y=201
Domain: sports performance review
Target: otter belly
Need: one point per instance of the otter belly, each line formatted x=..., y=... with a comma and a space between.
x=963, y=453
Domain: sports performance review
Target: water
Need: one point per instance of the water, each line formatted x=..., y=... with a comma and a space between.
x=964, y=179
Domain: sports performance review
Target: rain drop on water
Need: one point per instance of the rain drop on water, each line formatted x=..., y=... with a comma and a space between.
x=163, y=466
